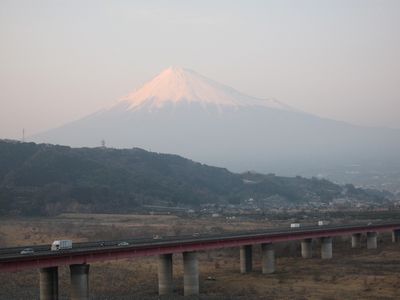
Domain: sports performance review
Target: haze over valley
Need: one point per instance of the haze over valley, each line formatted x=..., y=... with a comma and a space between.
x=209, y=150
x=182, y=112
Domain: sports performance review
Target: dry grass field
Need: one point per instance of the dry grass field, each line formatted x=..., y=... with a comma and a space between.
x=351, y=274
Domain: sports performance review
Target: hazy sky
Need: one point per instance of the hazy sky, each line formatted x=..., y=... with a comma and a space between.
x=60, y=60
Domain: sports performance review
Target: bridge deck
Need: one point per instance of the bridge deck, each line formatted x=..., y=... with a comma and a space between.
x=12, y=260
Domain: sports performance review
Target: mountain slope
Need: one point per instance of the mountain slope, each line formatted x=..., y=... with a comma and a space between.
x=182, y=112
x=38, y=179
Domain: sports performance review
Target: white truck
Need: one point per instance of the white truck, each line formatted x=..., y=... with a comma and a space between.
x=322, y=223
x=61, y=245
x=295, y=225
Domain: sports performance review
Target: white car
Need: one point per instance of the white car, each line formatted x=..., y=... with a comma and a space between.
x=27, y=251
x=123, y=244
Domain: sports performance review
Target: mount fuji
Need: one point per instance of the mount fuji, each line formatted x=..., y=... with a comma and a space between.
x=182, y=112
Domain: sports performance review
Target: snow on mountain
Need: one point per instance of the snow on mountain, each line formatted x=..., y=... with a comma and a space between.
x=177, y=85
x=182, y=112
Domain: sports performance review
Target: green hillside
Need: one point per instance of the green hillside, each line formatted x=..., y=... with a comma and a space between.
x=42, y=179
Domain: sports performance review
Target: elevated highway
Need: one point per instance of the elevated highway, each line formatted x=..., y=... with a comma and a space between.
x=82, y=254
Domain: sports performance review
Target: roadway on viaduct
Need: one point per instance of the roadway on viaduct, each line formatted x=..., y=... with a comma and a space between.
x=89, y=252
x=82, y=254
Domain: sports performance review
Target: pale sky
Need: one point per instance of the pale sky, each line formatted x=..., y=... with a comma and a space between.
x=61, y=60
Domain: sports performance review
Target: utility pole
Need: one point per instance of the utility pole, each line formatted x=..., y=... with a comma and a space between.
x=23, y=135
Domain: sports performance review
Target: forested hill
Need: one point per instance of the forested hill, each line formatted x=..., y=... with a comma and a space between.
x=43, y=179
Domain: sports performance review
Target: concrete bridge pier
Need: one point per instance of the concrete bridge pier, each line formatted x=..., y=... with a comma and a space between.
x=306, y=248
x=372, y=240
x=165, y=282
x=79, y=282
x=246, y=259
x=326, y=247
x=48, y=283
x=356, y=240
x=267, y=258
x=190, y=274
x=396, y=236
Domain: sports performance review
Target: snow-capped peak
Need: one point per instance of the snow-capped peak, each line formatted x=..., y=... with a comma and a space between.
x=176, y=85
